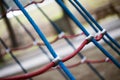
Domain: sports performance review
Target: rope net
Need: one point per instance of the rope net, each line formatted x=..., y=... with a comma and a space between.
x=70, y=56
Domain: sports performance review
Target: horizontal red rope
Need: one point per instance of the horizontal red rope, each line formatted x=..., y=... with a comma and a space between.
x=76, y=51
x=52, y=64
x=47, y=68
x=32, y=74
x=29, y=75
x=86, y=61
x=40, y=44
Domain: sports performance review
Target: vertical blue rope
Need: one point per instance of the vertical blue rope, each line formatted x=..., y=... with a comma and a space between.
x=68, y=73
x=40, y=47
x=87, y=34
x=91, y=24
x=32, y=37
x=95, y=22
x=28, y=32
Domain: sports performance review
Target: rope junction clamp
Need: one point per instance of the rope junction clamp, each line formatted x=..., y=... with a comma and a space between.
x=35, y=42
x=61, y=34
x=57, y=60
x=89, y=38
x=103, y=31
x=83, y=59
x=107, y=59
x=8, y=50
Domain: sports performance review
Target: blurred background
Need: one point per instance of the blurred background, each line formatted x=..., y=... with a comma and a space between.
x=107, y=14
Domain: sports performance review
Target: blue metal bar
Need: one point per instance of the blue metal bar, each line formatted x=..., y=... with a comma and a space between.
x=95, y=22
x=14, y=57
x=87, y=34
x=91, y=24
x=68, y=73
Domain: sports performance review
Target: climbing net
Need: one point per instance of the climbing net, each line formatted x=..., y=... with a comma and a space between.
x=57, y=61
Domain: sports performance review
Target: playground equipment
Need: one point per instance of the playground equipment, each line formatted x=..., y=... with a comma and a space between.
x=56, y=59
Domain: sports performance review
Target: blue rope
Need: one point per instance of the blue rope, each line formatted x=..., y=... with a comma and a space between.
x=95, y=22
x=68, y=41
x=40, y=47
x=111, y=45
x=91, y=24
x=57, y=29
x=88, y=64
x=87, y=34
x=28, y=32
x=68, y=73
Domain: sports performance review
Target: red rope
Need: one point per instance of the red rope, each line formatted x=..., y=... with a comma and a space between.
x=47, y=68
x=76, y=51
x=40, y=44
x=29, y=75
x=99, y=37
x=32, y=74
x=52, y=64
x=86, y=61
